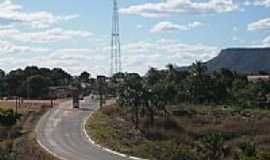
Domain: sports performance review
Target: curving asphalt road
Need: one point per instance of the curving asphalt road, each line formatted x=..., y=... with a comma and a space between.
x=60, y=132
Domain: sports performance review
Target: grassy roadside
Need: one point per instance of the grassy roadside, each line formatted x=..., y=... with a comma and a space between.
x=108, y=128
x=18, y=141
x=190, y=133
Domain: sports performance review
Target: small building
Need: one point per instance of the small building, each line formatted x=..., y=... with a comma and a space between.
x=63, y=92
x=257, y=78
x=66, y=92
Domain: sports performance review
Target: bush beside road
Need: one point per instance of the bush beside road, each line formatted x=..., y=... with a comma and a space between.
x=199, y=132
x=17, y=140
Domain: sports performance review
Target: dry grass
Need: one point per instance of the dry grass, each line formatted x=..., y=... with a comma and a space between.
x=7, y=105
x=189, y=124
x=21, y=140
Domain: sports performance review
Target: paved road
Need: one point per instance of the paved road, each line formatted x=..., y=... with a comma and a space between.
x=60, y=131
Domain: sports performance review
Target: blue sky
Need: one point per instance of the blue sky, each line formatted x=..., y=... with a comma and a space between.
x=76, y=35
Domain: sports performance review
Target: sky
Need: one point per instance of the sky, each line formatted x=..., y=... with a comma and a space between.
x=76, y=35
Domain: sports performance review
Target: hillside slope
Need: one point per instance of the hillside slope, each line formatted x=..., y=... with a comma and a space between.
x=244, y=60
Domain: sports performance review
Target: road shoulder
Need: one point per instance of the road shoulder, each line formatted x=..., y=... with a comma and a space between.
x=87, y=133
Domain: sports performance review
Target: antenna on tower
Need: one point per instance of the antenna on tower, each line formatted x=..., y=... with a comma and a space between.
x=116, y=58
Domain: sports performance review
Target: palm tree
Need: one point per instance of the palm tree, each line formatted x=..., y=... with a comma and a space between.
x=152, y=76
x=198, y=69
x=172, y=73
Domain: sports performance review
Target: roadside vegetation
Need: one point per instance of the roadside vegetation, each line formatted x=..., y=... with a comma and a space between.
x=187, y=115
x=33, y=82
x=17, y=136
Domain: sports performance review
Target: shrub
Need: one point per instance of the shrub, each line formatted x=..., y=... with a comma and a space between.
x=248, y=148
x=8, y=118
x=247, y=151
x=6, y=152
x=211, y=147
x=263, y=155
x=166, y=150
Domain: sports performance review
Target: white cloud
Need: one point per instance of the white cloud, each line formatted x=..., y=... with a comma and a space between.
x=52, y=35
x=10, y=48
x=235, y=29
x=11, y=12
x=262, y=24
x=15, y=14
x=139, y=26
x=168, y=26
x=18, y=46
x=47, y=36
x=141, y=55
x=5, y=27
x=171, y=7
x=137, y=57
x=74, y=60
x=247, y=3
x=265, y=3
x=266, y=42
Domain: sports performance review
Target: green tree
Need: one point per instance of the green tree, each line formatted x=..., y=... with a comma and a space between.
x=31, y=70
x=172, y=73
x=2, y=74
x=84, y=77
x=3, y=88
x=14, y=80
x=131, y=92
x=221, y=86
x=15, y=83
x=198, y=83
x=35, y=87
x=3, y=84
x=244, y=93
x=153, y=76
x=198, y=69
x=60, y=78
x=8, y=118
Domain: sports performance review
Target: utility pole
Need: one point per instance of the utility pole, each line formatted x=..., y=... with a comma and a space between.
x=116, y=57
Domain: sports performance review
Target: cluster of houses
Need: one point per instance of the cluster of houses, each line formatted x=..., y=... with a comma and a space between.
x=257, y=78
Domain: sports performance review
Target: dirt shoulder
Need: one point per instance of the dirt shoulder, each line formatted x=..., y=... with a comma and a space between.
x=18, y=141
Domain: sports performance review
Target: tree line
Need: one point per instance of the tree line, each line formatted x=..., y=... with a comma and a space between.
x=34, y=82
x=150, y=94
